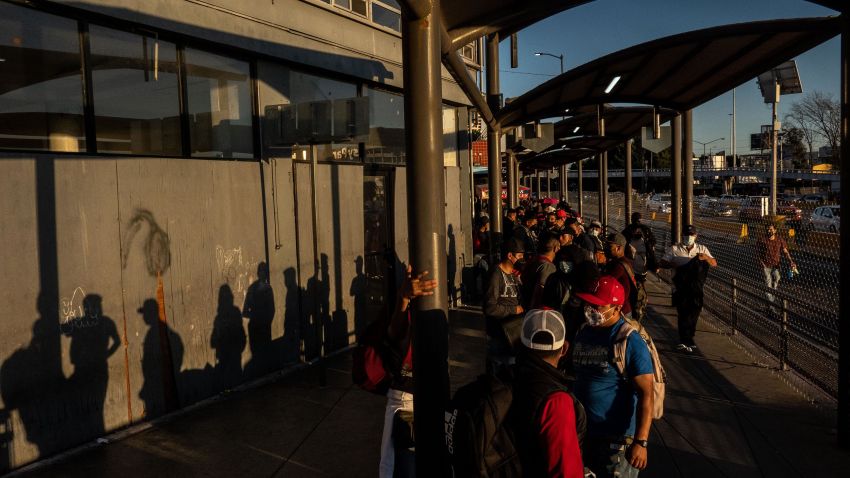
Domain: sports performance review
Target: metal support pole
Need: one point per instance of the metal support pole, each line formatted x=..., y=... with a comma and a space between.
x=844, y=237
x=783, y=338
x=512, y=180
x=494, y=158
x=628, y=191
x=427, y=233
x=581, y=188
x=604, y=218
x=676, y=182
x=600, y=187
x=774, y=142
x=688, y=169
x=562, y=173
x=734, y=309
x=537, y=177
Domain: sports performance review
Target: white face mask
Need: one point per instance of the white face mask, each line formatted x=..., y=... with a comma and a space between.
x=690, y=240
x=594, y=232
x=593, y=317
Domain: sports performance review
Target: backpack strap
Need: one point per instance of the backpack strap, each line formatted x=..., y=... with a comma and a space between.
x=619, y=347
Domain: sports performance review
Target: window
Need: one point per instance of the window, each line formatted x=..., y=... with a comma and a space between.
x=219, y=105
x=386, y=128
x=41, y=93
x=470, y=51
x=136, y=96
x=387, y=13
x=319, y=113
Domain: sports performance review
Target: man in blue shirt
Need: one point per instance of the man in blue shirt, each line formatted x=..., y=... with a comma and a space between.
x=619, y=409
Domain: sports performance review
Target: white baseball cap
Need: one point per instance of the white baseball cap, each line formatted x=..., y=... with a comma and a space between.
x=543, y=329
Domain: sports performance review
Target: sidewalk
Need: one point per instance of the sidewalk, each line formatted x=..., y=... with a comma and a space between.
x=724, y=416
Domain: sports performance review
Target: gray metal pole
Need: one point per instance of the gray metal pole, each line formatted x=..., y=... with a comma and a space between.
x=774, y=141
x=581, y=188
x=628, y=192
x=539, y=191
x=427, y=234
x=599, y=186
x=494, y=158
x=512, y=180
x=688, y=170
x=562, y=173
x=676, y=182
x=604, y=196
x=844, y=299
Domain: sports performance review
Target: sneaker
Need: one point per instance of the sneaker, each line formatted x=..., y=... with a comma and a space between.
x=683, y=348
x=693, y=347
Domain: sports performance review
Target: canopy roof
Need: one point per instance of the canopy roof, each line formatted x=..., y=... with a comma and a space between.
x=468, y=20
x=679, y=72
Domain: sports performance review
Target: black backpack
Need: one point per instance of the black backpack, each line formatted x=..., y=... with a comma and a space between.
x=479, y=438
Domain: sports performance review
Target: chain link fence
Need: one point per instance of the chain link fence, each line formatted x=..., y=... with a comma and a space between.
x=794, y=325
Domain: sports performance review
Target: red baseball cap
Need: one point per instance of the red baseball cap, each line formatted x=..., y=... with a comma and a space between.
x=562, y=214
x=608, y=292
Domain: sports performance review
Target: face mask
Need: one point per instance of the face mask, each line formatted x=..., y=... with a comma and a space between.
x=593, y=317
x=594, y=232
x=690, y=240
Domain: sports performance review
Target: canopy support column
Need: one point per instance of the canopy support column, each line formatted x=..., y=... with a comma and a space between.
x=494, y=158
x=512, y=180
x=676, y=182
x=539, y=191
x=844, y=299
x=427, y=233
x=627, y=207
x=688, y=168
x=581, y=188
x=562, y=173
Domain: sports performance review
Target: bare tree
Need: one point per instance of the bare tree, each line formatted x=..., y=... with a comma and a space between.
x=818, y=116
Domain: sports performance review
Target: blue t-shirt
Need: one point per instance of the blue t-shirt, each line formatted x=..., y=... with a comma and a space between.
x=609, y=399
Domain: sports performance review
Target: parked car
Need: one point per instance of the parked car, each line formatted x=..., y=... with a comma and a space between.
x=826, y=218
x=753, y=207
x=812, y=199
x=659, y=203
x=715, y=208
x=731, y=199
x=792, y=213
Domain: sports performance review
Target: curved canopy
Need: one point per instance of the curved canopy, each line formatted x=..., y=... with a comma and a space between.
x=621, y=122
x=468, y=20
x=678, y=72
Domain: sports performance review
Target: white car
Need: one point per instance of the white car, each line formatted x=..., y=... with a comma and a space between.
x=659, y=203
x=826, y=218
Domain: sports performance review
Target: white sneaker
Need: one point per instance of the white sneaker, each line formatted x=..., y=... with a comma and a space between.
x=683, y=348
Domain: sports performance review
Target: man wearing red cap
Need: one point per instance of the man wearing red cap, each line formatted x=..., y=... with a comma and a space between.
x=619, y=408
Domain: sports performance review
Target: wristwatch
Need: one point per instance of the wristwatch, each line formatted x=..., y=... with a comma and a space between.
x=642, y=443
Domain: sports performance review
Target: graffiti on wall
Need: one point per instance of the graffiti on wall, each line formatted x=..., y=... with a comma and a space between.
x=238, y=272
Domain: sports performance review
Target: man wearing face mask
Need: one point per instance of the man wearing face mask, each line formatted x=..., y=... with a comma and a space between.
x=619, y=408
x=690, y=262
x=770, y=250
x=502, y=306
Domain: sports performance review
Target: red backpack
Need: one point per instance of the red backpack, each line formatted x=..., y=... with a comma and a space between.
x=375, y=360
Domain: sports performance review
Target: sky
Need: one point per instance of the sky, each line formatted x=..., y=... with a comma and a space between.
x=587, y=32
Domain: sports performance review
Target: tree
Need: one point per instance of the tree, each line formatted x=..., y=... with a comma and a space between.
x=792, y=142
x=818, y=116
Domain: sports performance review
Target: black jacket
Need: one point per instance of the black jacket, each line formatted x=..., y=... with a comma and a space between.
x=534, y=381
x=689, y=281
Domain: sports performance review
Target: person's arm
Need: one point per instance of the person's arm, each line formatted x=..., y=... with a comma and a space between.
x=788, y=255
x=411, y=288
x=643, y=421
x=707, y=257
x=667, y=260
x=558, y=438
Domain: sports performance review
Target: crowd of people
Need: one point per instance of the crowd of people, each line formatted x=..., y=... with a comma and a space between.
x=560, y=302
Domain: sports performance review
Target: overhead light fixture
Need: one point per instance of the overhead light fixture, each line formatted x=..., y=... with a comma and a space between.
x=567, y=110
x=612, y=84
x=2, y=60
x=537, y=54
x=576, y=129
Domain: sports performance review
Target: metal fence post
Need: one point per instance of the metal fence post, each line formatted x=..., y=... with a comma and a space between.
x=734, y=317
x=783, y=339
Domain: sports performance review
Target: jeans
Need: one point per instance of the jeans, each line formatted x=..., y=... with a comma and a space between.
x=687, y=323
x=607, y=459
x=771, y=278
x=396, y=400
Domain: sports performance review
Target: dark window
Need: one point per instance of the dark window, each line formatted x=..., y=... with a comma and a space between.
x=359, y=7
x=385, y=143
x=387, y=13
x=219, y=92
x=135, y=88
x=41, y=93
x=324, y=112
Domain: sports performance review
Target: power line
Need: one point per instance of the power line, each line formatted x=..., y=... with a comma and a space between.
x=527, y=73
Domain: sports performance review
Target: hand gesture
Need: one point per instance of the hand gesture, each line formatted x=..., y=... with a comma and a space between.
x=414, y=287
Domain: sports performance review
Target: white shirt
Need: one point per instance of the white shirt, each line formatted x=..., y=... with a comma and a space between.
x=679, y=254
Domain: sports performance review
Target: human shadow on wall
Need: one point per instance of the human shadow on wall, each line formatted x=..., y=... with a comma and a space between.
x=336, y=330
x=159, y=377
x=358, y=292
x=291, y=339
x=31, y=379
x=94, y=338
x=259, y=310
x=451, y=263
x=228, y=340
x=316, y=312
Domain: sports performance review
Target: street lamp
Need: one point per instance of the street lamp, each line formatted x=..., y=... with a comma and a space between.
x=708, y=142
x=559, y=57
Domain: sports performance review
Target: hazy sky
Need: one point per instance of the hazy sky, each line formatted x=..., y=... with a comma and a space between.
x=587, y=32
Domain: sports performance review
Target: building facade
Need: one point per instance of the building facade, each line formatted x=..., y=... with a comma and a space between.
x=196, y=194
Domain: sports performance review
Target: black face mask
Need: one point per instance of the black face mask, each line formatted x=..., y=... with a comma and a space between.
x=637, y=236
